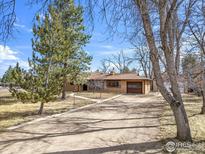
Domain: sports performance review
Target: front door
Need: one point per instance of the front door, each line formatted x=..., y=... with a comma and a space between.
x=85, y=87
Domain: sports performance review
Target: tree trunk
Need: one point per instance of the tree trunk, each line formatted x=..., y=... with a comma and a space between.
x=175, y=100
x=177, y=59
x=144, y=69
x=183, y=129
x=178, y=47
x=181, y=119
x=41, y=108
x=203, y=81
x=203, y=107
x=64, y=83
x=64, y=88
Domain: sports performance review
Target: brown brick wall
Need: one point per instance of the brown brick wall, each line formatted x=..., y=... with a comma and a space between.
x=123, y=87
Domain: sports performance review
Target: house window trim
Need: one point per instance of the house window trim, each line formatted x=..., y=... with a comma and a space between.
x=113, y=85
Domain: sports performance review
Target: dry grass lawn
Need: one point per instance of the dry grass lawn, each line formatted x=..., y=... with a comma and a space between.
x=96, y=95
x=13, y=112
x=193, y=106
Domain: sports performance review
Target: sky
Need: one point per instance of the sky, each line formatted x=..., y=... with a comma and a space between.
x=19, y=47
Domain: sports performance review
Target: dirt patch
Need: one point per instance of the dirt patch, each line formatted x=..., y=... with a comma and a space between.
x=193, y=106
x=95, y=95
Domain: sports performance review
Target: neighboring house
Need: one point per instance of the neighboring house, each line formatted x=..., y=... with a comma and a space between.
x=117, y=83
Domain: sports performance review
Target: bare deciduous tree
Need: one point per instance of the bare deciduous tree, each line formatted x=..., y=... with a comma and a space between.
x=158, y=19
x=142, y=56
x=43, y=4
x=179, y=26
x=197, y=29
x=167, y=10
x=7, y=19
x=8, y=15
x=118, y=61
x=105, y=66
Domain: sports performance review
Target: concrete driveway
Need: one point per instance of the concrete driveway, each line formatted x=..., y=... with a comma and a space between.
x=128, y=124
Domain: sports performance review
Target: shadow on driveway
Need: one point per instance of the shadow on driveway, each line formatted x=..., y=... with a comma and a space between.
x=154, y=147
x=129, y=123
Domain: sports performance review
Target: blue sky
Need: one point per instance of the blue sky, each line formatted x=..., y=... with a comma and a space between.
x=19, y=47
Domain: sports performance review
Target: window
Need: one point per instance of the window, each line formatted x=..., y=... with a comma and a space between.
x=113, y=84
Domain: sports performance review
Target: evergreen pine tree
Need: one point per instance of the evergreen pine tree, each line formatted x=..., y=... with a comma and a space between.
x=75, y=39
x=46, y=52
x=7, y=77
x=58, y=55
x=42, y=82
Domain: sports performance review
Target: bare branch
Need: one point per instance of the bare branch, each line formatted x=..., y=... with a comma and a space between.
x=7, y=19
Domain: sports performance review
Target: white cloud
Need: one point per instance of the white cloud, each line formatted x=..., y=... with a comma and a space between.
x=30, y=30
x=110, y=52
x=24, y=64
x=107, y=46
x=126, y=51
x=7, y=54
x=19, y=25
x=9, y=57
x=23, y=27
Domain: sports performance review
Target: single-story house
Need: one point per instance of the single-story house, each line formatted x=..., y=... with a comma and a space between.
x=117, y=83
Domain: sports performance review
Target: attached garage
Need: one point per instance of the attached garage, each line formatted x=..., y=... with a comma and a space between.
x=130, y=83
x=134, y=87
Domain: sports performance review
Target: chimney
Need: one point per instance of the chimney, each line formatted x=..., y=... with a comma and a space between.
x=112, y=72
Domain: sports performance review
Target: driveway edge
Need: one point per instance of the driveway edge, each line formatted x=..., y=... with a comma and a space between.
x=56, y=115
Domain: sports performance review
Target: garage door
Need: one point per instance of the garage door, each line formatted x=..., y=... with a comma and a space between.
x=134, y=87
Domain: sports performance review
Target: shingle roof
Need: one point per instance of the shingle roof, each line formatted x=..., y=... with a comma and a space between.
x=97, y=76
x=122, y=76
x=126, y=76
